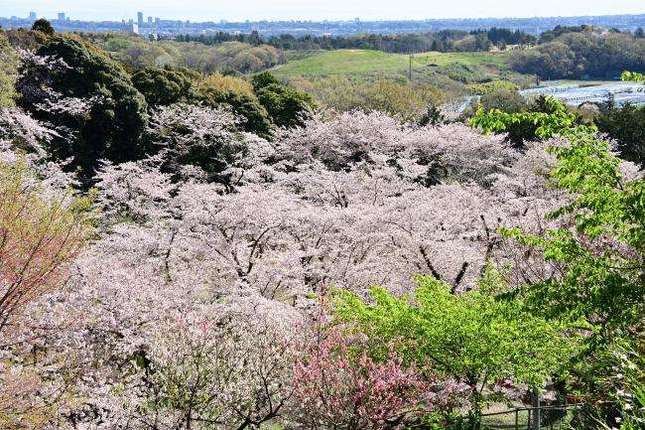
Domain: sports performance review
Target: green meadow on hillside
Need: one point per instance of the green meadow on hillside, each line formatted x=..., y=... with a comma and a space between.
x=361, y=61
x=352, y=78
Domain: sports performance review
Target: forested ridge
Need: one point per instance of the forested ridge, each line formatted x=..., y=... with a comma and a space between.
x=185, y=249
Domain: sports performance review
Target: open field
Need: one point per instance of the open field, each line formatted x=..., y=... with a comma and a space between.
x=359, y=78
x=359, y=61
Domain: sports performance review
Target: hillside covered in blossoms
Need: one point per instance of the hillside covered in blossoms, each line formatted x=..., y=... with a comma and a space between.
x=182, y=251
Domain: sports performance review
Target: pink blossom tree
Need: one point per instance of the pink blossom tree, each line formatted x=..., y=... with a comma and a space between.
x=339, y=387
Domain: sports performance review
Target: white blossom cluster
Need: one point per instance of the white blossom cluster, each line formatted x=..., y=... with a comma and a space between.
x=184, y=269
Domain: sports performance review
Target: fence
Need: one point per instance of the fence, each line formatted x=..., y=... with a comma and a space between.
x=534, y=418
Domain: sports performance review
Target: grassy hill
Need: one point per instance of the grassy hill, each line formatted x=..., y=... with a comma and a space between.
x=360, y=61
x=358, y=78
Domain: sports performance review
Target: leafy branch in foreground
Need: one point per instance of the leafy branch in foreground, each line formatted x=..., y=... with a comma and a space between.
x=600, y=247
x=551, y=120
x=597, y=249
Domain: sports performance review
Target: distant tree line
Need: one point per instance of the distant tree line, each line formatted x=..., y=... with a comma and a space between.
x=589, y=52
x=444, y=41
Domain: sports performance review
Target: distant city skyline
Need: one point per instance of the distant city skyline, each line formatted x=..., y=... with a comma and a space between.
x=205, y=10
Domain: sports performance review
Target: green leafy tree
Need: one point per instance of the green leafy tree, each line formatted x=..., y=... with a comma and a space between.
x=163, y=87
x=547, y=118
x=286, y=106
x=549, y=61
x=632, y=77
x=112, y=118
x=255, y=118
x=43, y=26
x=598, y=255
x=264, y=79
x=477, y=337
x=600, y=249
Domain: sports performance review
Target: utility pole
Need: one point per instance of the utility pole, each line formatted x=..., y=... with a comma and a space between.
x=410, y=69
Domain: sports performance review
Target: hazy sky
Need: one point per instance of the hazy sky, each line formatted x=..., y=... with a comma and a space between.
x=207, y=10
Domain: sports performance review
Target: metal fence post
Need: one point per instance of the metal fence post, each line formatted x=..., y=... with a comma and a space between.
x=538, y=417
x=529, y=421
x=517, y=419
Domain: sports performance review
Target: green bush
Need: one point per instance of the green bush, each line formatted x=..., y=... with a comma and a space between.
x=243, y=102
x=162, y=87
x=286, y=106
x=504, y=99
x=43, y=26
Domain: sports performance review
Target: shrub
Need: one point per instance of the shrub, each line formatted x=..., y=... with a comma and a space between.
x=264, y=79
x=488, y=87
x=632, y=77
x=507, y=100
x=227, y=84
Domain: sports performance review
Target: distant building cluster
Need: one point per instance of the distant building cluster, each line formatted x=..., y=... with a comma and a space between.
x=150, y=25
x=156, y=27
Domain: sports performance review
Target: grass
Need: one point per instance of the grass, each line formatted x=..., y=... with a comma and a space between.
x=368, y=62
x=349, y=78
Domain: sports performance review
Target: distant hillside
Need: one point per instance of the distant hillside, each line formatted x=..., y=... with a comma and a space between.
x=352, y=78
x=361, y=61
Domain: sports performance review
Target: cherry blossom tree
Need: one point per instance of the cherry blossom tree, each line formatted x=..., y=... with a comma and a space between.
x=201, y=283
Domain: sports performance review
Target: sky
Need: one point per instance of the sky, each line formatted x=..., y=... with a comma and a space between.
x=240, y=10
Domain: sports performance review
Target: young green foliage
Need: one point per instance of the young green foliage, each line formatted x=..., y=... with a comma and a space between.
x=477, y=336
x=632, y=77
x=551, y=119
x=600, y=249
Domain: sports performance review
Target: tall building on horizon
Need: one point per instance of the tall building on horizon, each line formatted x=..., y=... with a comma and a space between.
x=140, y=19
x=33, y=16
x=61, y=16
